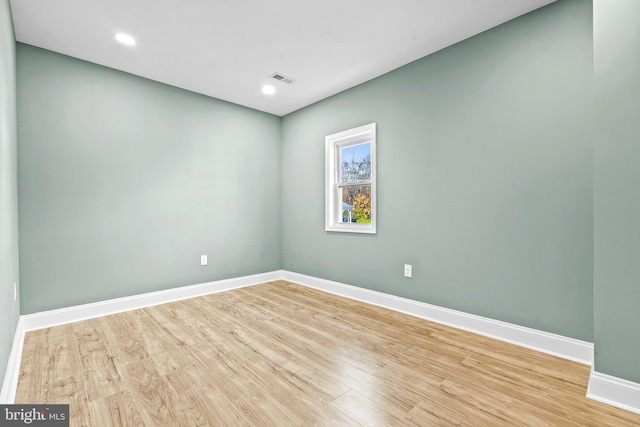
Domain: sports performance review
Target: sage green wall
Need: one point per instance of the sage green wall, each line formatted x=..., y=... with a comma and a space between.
x=485, y=176
x=492, y=183
x=616, y=194
x=9, y=310
x=125, y=182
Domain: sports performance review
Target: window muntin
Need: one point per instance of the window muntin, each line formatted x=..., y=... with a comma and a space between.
x=350, y=187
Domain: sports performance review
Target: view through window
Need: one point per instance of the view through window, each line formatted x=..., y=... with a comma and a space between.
x=355, y=183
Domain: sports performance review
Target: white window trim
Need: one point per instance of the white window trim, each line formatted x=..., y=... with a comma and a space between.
x=333, y=215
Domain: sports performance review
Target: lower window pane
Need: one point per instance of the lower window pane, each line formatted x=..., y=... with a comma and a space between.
x=356, y=203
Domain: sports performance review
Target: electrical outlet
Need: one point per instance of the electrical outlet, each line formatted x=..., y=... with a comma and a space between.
x=407, y=270
x=15, y=292
x=203, y=260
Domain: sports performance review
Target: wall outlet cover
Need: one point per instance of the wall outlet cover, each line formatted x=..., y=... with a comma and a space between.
x=408, y=270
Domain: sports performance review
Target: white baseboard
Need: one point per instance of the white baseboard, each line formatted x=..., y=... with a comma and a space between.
x=10, y=383
x=47, y=319
x=614, y=391
x=545, y=342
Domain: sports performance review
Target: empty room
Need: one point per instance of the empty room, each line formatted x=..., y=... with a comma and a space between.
x=320, y=213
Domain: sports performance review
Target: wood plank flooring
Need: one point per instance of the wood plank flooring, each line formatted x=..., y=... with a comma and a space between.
x=279, y=354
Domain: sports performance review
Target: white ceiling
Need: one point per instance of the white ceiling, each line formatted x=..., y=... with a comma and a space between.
x=228, y=49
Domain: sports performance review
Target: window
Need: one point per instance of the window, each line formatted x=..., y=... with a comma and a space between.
x=350, y=161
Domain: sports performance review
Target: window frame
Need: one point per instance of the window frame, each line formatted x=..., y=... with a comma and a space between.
x=333, y=184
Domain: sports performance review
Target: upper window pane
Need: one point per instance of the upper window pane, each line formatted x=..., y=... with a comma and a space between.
x=355, y=163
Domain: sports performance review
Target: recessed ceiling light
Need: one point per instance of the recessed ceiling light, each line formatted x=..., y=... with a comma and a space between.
x=125, y=39
x=268, y=90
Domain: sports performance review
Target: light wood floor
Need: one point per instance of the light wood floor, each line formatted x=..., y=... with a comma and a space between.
x=280, y=354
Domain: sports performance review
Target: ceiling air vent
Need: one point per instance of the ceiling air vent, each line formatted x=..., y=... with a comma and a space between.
x=282, y=78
